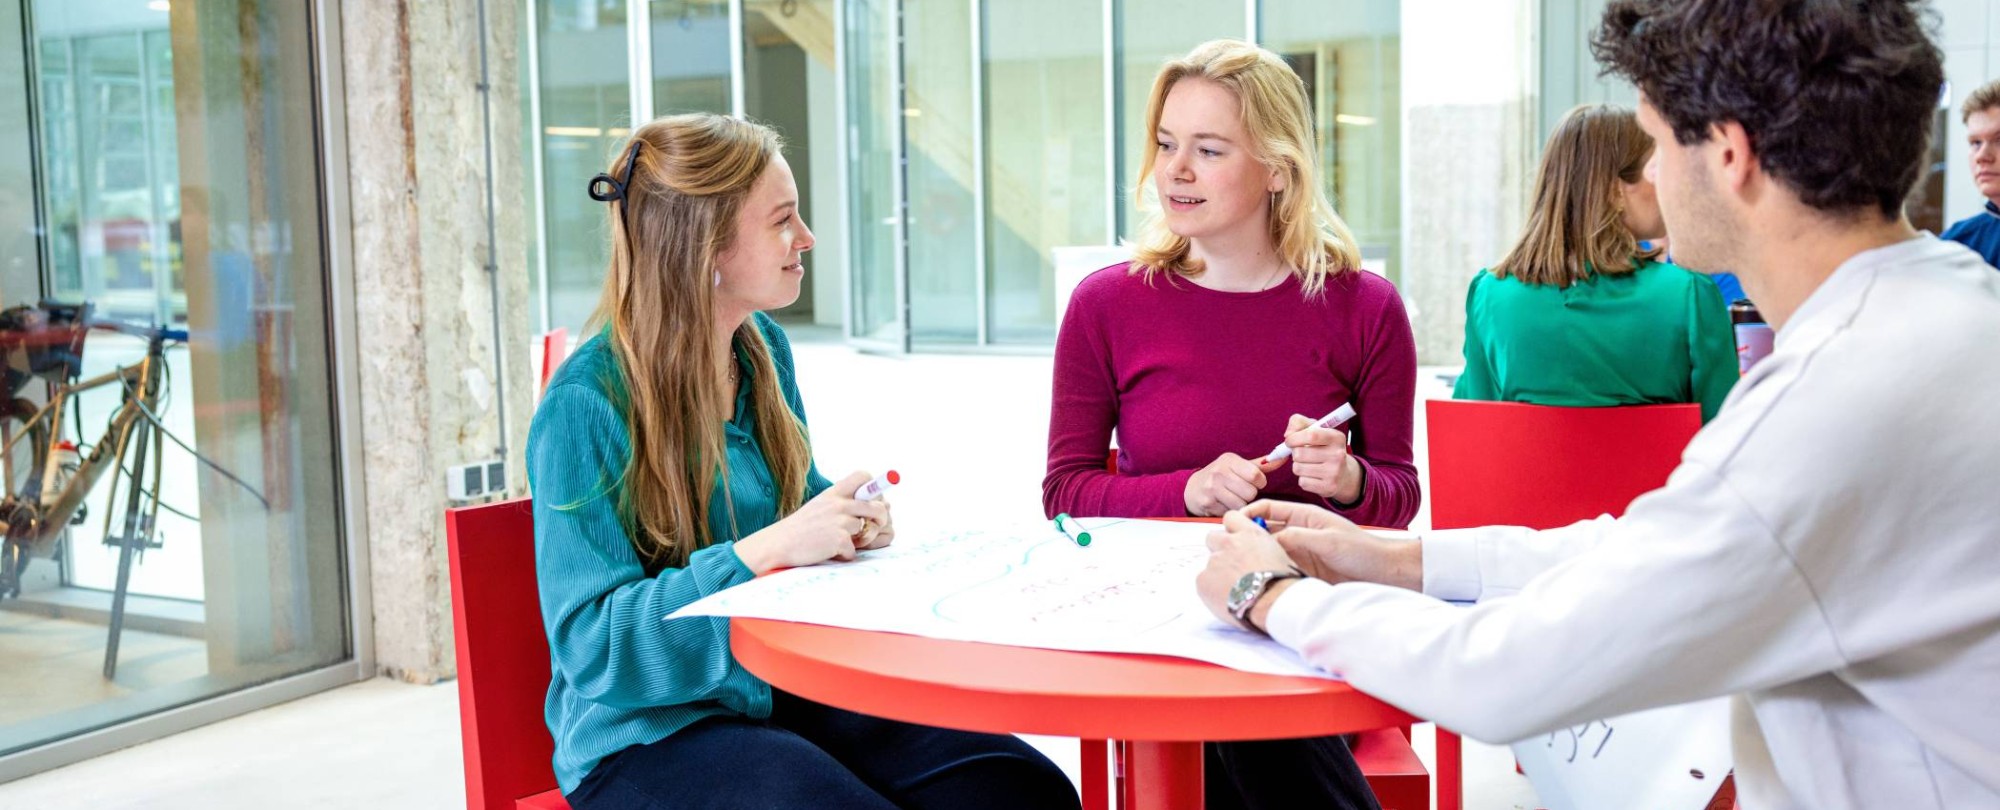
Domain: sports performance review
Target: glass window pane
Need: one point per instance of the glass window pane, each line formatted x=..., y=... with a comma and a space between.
x=1045, y=155
x=221, y=525
x=20, y=261
x=690, y=57
x=1348, y=52
x=937, y=133
x=1150, y=32
x=586, y=116
x=873, y=109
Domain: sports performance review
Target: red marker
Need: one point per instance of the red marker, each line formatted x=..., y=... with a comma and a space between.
x=878, y=487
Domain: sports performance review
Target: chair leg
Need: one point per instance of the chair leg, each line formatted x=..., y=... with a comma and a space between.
x=1450, y=767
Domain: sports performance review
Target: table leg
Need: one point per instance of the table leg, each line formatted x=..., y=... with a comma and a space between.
x=1450, y=771
x=1162, y=776
x=1096, y=785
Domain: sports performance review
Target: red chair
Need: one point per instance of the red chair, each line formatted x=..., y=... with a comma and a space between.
x=555, y=349
x=503, y=658
x=1513, y=464
x=1509, y=464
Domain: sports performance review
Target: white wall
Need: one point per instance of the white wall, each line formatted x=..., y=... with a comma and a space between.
x=1969, y=33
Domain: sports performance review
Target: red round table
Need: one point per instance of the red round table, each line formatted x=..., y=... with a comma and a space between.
x=1164, y=706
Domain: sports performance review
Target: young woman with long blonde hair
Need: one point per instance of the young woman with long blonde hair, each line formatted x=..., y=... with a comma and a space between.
x=670, y=459
x=1243, y=317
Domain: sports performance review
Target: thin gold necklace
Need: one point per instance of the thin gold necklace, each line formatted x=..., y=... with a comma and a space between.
x=1277, y=277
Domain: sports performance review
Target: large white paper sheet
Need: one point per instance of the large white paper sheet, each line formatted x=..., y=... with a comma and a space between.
x=1131, y=591
x=1672, y=758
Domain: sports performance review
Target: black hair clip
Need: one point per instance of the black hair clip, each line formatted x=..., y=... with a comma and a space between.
x=617, y=187
x=604, y=188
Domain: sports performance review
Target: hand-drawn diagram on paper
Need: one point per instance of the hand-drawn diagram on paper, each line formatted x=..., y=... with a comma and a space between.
x=1130, y=590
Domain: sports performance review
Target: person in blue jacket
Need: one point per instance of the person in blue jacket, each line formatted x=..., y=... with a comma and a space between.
x=670, y=460
x=1981, y=231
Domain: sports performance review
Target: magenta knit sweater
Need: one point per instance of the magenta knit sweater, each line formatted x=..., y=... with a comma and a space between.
x=1183, y=374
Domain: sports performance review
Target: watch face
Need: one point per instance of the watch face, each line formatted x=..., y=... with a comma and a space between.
x=1247, y=587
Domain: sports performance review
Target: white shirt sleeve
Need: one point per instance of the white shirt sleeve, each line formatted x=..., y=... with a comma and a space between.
x=1686, y=597
x=1467, y=565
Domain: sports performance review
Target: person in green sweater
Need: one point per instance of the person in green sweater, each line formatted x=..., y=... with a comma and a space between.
x=1577, y=314
x=670, y=459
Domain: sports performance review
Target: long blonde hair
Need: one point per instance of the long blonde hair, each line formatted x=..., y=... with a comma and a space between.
x=691, y=176
x=1309, y=235
x=1576, y=226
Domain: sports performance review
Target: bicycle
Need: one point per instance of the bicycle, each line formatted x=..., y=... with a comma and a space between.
x=46, y=342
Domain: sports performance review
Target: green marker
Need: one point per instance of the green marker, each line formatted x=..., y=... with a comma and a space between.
x=1063, y=524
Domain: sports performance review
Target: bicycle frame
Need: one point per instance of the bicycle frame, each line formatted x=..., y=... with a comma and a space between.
x=27, y=522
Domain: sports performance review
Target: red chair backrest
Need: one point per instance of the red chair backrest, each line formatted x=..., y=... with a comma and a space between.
x=555, y=349
x=503, y=653
x=1506, y=463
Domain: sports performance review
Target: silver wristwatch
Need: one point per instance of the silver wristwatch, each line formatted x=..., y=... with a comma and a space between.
x=1250, y=588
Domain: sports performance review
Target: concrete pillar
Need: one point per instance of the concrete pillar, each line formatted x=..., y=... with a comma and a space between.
x=430, y=396
x=1468, y=142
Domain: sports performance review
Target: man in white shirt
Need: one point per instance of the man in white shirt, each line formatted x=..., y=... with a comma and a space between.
x=1828, y=550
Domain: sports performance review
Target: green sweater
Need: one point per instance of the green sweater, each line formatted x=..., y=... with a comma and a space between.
x=1658, y=334
x=621, y=676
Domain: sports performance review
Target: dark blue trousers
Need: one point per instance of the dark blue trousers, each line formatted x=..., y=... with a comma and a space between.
x=810, y=755
x=1314, y=772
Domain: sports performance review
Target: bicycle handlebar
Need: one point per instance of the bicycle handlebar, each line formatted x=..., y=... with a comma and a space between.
x=135, y=330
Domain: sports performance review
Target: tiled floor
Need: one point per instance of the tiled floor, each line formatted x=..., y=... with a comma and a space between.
x=966, y=431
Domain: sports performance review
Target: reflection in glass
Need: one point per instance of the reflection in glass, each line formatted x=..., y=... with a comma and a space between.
x=113, y=188
x=179, y=184
x=1045, y=155
x=1348, y=52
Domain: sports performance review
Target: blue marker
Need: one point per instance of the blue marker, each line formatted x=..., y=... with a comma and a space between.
x=1261, y=524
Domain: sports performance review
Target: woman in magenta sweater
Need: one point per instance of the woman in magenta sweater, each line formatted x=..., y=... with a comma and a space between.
x=1243, y=317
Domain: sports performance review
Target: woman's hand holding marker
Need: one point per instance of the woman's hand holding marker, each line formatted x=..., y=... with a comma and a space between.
x=874, y=535
x=1339, y=417
x=1320, y=458
x=831, y=526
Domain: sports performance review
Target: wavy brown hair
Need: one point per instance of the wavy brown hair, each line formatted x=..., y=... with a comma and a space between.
x=658, y=312
x=1307, y=232
x=1576, y=226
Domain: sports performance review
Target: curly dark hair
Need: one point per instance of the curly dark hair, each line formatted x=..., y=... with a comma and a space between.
x=1836, y=96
